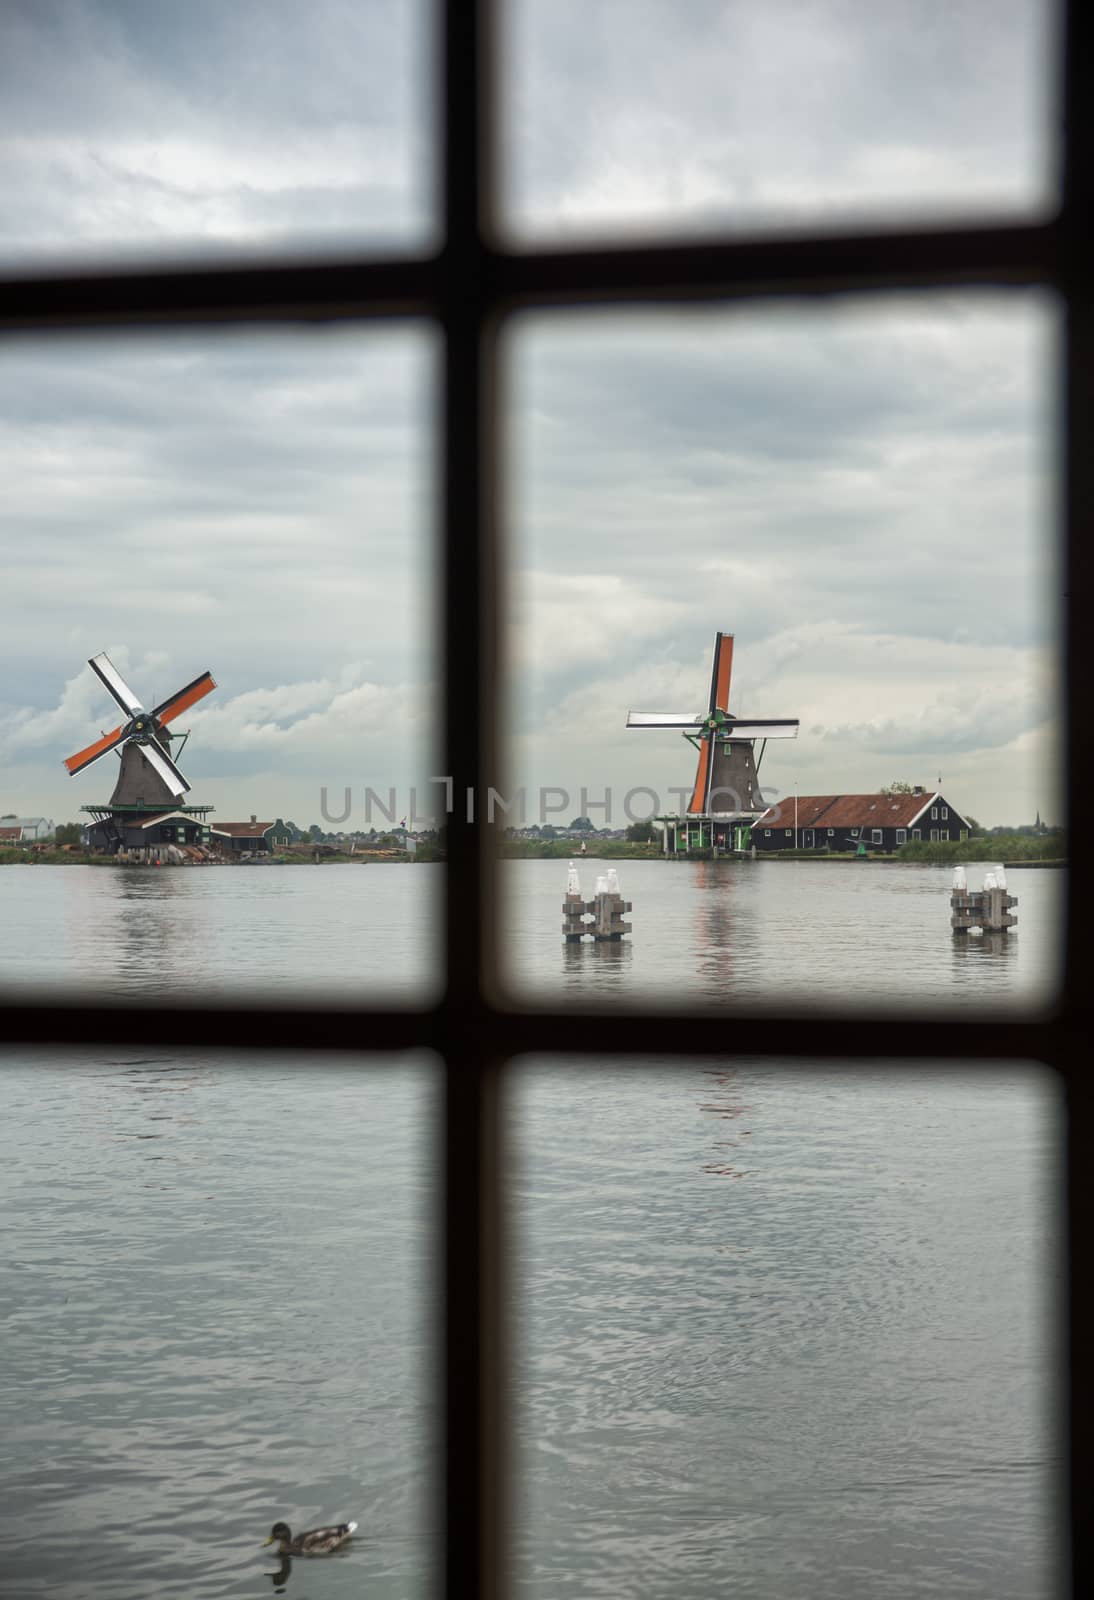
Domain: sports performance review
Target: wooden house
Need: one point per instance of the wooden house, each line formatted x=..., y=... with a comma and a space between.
x=843, y=822
x=242, y=838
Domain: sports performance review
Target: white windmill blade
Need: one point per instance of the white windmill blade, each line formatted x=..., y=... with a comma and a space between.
x=661, y=719
x=740, y=729
x=123, y=694
x=160, y=762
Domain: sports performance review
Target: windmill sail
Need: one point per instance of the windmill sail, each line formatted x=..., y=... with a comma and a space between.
x=148, y=776
x=726, y=780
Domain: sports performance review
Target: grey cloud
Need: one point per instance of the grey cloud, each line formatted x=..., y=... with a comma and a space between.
x=736, y=114
x=151, y=125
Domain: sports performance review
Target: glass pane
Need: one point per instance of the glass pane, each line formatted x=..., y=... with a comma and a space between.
x=796, y=1327
x=149, y=129
x=217, y=1316
x=858, y=502
x=625, y=115
x=258, y=508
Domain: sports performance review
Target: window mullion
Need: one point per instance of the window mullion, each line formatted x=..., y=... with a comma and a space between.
x=473, y=1314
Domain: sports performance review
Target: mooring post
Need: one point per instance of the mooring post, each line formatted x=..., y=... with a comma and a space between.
x=573, y=908
x=984, y=909
x=606, y=909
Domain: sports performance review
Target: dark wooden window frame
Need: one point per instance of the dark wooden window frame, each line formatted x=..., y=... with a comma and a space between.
x=467, y=289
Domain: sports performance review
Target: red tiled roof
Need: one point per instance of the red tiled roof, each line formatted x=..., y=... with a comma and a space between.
x=242, y=830
x=810, y=807
x=851, y=810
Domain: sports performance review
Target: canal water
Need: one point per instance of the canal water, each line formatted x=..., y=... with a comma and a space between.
x=777, y=1331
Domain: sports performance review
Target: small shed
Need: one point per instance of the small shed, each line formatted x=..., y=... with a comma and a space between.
x=243, y=838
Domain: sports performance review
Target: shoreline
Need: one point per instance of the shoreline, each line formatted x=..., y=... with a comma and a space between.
x=83, y=859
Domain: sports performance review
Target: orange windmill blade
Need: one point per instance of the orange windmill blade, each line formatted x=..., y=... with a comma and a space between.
x=84, y=758
x=183, y=699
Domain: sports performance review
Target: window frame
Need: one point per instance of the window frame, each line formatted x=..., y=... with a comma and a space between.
x=467, y=289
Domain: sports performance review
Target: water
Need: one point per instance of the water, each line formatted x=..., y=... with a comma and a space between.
x=787, y=1334
x=713, y=933
x=840, y=933
x=216, y=1314
x=779, y=1332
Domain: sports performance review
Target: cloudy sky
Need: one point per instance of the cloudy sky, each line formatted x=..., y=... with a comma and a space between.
x=861, y=491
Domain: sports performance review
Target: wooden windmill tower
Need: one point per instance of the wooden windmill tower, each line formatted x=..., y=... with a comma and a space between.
x=145, y=810
x=726, y=795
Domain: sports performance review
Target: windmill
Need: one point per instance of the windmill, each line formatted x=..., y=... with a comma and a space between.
x=726, y=794
x=149, y=782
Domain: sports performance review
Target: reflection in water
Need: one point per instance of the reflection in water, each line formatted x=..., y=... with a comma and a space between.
x=995, y=944
x=596, y=968
x=723, y=1100
x=281, y=1577
x=172, y=931
x=140, y=1100
x=142, y=926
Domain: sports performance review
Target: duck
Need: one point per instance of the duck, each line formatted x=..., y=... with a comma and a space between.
x=316, y=1542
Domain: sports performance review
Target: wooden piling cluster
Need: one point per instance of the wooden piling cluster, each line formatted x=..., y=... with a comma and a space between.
x=606, y=911
x=988, y=909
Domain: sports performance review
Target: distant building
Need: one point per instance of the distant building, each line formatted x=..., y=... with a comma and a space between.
x=282, y=834
x=30, y=829
x=241, y=838
x=844, y=821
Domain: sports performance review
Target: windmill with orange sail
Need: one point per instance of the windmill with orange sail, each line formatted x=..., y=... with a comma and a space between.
x=726, y=794
x=145, y=809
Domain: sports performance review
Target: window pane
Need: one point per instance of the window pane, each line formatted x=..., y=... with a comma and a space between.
x=801, y=1327
x=860, y=500
x=218, y=1315
x=258, y=507
x=152, y=129
x=624, y=115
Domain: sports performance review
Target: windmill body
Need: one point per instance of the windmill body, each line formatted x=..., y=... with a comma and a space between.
x=146, y=811
x=726, y=796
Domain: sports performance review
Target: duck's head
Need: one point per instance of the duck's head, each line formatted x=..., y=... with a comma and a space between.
x=279, y=1534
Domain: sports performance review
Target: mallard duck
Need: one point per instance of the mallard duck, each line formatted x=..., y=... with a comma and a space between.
x=316, y=1542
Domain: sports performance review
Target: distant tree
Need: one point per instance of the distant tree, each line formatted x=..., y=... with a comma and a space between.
x=67, y=833
x=898, y=786
x=640, y=832
x=548, y=832
x=975, y=828
x=581, y=825
x=315, y=832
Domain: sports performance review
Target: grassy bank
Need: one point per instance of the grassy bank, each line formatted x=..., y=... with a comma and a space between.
x=1013, y=848
x=570, y=850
